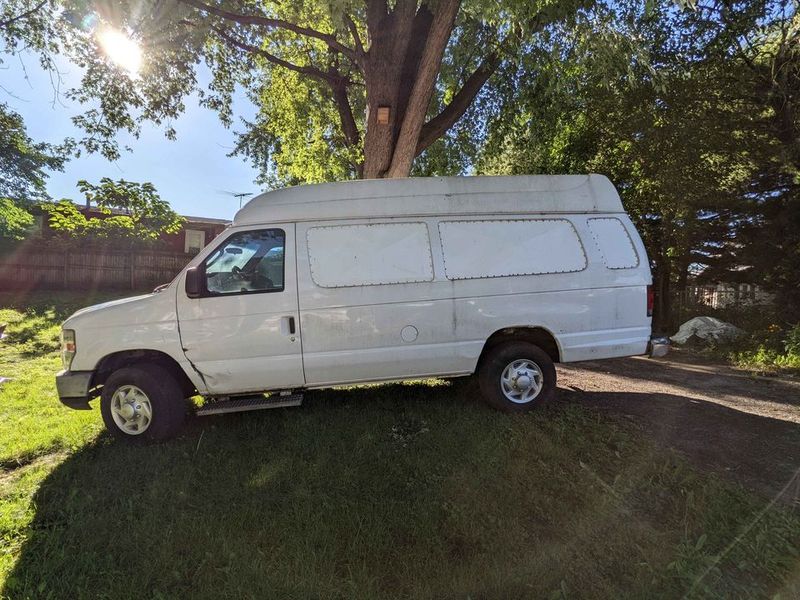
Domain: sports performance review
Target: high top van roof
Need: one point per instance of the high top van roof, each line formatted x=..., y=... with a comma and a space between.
x=428, y=196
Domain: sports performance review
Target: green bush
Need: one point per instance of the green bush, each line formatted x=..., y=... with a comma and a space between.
x=768, y=346
x=792, y=341
x=778, y=350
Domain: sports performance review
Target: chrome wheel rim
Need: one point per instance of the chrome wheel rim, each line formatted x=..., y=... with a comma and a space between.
x=521, y=381
x=131, y=409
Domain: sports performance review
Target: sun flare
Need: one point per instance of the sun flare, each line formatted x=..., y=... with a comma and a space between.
x=121, y=49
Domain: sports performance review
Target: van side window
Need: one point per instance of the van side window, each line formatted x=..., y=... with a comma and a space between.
x=247, y=262
x=614, y=243
x=477, y=249
x=373, y=254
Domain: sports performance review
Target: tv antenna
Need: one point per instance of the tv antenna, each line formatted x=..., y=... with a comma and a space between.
x=240, y=195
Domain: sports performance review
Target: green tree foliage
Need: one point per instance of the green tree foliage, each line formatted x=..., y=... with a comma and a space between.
x=135, y=212
x=23, y=173
x=769, y=81
x=676, y=108
x=23, y=162
x=14, y=220
x=318, y=72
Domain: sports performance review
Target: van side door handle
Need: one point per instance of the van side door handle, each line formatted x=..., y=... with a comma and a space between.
x=287, y=325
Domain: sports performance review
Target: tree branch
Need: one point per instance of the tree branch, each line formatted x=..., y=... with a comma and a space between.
x=304, y=70
x=351, y=134
x=349, y=127
x=438, y=125
x=332, y=77
x=354, y=32
x=273, y=23
x=23, y=15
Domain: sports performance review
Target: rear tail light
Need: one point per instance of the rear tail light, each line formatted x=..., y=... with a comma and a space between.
x=651, y=300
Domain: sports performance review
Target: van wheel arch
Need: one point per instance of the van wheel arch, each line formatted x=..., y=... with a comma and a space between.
x=538, y=336
x=129, y=358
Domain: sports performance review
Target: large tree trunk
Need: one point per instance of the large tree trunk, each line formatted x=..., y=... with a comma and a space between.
x=405, y=148
x=389, y=41
x=400, y=69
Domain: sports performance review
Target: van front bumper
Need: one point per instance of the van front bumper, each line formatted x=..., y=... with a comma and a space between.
x=73, y=388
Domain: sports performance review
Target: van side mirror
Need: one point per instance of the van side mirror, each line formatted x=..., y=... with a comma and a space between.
x=194, y=282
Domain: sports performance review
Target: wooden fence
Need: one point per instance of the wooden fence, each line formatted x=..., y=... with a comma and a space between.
x=47, y=268
x=722, y=296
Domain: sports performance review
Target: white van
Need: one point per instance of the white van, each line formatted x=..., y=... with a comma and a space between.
x=366, y=281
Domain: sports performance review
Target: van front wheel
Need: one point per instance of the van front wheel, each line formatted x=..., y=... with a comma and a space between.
x=142, y=403
x=517, y=377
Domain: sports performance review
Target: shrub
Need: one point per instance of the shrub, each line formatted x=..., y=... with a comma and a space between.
x=780, y=351
x=792, y=341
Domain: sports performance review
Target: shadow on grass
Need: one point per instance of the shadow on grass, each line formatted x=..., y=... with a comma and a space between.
x=760, y=452
x=396, y=491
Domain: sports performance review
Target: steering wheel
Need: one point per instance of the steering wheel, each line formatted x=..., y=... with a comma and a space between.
x=238, y=272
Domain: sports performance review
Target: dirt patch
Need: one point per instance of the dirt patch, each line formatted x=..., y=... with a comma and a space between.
x=744, y=427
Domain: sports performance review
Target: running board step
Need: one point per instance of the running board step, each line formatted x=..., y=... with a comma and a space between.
x=243, y=403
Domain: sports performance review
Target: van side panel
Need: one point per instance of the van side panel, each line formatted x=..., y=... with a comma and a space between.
x=367, y=343
x=439, y=327
x=597, y=312
x=379, y=331
x=586, y=324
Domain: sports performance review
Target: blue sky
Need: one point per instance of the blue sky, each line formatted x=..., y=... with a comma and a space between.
x=189, y=172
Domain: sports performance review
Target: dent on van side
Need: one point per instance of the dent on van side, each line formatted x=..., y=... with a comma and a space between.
x=366, y=281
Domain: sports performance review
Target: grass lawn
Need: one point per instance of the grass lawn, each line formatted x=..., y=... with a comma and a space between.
x=413, y=490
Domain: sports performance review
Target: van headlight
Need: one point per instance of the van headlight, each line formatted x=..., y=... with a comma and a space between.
x=67, y=347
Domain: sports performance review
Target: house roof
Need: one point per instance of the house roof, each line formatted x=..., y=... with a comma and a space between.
x=434, y=196
x=189, y=219
x=207, y=220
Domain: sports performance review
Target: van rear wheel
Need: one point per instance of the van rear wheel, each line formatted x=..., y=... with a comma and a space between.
x=517, y=377
x=142, y=403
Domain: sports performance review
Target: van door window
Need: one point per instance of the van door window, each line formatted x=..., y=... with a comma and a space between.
x=247, y=262
x=614, y=243
x=508, y=248
x=372, y=254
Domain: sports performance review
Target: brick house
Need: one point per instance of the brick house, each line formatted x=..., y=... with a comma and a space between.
x=195, y=234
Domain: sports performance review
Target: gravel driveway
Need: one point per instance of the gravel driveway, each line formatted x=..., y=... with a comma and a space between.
x=744, y=427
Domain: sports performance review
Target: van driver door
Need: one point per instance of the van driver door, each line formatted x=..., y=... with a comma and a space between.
x=243, y=332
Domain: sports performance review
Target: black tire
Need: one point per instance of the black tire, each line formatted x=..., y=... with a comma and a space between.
x=494, y=364
x=168, y=410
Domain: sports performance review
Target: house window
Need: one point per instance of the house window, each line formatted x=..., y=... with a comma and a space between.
x=194, y=241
